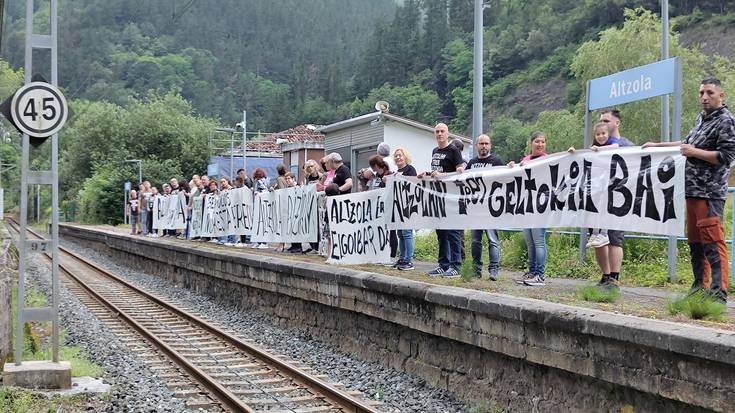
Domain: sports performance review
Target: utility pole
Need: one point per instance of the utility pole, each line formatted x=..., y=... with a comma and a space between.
x=2, y=17
x=665, y=131
x=477, y=74
x=245, y=141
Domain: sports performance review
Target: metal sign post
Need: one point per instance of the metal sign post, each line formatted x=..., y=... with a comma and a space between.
x=661, y=78
x=39, y=110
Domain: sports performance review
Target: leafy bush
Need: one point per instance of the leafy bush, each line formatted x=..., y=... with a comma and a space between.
x=100, y=199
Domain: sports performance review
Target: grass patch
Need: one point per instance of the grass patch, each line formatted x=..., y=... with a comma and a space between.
x=598, y=294
x=699, y=305
x=37, y=340
x=81, y=366
x=13, y=399
x=483, y=406
x=467, y=270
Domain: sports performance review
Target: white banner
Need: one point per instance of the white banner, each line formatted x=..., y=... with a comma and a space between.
x=357, y=224
x=197, y=212
x=160, y=205
x=286, y=215
x=208, y=215
x=169, y=211
x=176, y=212
x=630, y=189
x=222, y=219
x=241, y=211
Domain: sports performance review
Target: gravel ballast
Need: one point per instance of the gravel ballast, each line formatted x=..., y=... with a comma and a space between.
x=134, y=387
x=397, y=391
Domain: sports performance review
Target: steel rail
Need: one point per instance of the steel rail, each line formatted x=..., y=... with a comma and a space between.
x=335, y=396
x=230, y=400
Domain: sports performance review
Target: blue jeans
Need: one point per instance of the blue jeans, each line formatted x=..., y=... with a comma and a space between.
x=144, y=222
x=450, y=248
x=493, y=250
x=536, y=243
x=406, y=244
x=188, y=225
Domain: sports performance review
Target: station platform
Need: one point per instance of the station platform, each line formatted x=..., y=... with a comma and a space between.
x=480, y=340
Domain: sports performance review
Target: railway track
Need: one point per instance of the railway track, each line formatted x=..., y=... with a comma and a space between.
x=210, y=368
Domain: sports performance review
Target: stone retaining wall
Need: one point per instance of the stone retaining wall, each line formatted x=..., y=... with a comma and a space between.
x=521, y=354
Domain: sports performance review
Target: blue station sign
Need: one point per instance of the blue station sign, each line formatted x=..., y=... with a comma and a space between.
x=634, y=84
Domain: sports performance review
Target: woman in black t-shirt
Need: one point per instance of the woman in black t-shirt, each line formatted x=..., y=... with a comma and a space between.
x=405, y=236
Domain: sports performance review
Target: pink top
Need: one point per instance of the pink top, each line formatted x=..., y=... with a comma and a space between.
x=330, y=176
x=531, y=157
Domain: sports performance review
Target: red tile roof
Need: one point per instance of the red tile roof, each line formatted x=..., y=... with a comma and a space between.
x=267, y=143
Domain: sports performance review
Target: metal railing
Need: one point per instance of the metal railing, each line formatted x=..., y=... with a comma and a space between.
x=671, y=252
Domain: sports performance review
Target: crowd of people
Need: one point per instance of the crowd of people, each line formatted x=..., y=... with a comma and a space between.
x=709, y=150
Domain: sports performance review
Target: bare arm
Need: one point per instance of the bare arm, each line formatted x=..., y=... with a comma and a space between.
x=346, y=186
x=660, y=144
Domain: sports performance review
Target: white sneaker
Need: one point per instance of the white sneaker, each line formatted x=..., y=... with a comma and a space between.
x=239, y=245
x=263, y=246
x=213, y=240
x=229, y=244
x=253, y=245
x=600, y=240
x=592, y=240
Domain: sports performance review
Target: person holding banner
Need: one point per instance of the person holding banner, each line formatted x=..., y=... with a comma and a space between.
x=144, y=194
x=196, y=191
x=709, y=149
x=485, y=159
x=446, y=159
x=312, y=173
x=260, y=185
x=405, y=236
x=153, y=233
x=342, y=174
x=246, y=181
x=535, y=237
x=295, y=247
x=133, y=211
x=608, y=243
x=313, y=176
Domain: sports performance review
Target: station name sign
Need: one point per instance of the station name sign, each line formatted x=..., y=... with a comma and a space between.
x=642, y=82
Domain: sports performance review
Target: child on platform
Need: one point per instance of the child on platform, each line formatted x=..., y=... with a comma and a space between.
x=601, y=140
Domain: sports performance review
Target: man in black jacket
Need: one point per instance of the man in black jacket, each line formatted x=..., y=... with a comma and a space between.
x=710, y=151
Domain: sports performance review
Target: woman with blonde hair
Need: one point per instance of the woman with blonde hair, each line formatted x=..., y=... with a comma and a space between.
x=405, y=236
x=312, y=172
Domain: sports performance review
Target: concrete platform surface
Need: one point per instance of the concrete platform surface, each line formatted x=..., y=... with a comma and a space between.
x=38, y=375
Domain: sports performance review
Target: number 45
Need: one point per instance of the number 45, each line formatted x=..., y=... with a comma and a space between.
x=30, y=109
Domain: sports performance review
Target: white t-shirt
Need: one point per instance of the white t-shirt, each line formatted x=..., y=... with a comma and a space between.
x=391, y=164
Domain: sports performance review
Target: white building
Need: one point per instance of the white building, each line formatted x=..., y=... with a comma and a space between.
x=357, y=139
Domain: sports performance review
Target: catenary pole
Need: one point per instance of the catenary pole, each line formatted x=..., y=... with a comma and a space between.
x=245, y=141
x=477, y=77
x=665, y=130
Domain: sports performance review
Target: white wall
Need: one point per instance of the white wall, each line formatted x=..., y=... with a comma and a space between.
x=417, y=142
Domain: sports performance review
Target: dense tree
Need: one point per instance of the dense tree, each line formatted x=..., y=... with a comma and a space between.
x=604, y=56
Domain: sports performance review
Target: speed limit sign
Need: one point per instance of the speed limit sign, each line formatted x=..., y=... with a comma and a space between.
x=39, y=109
